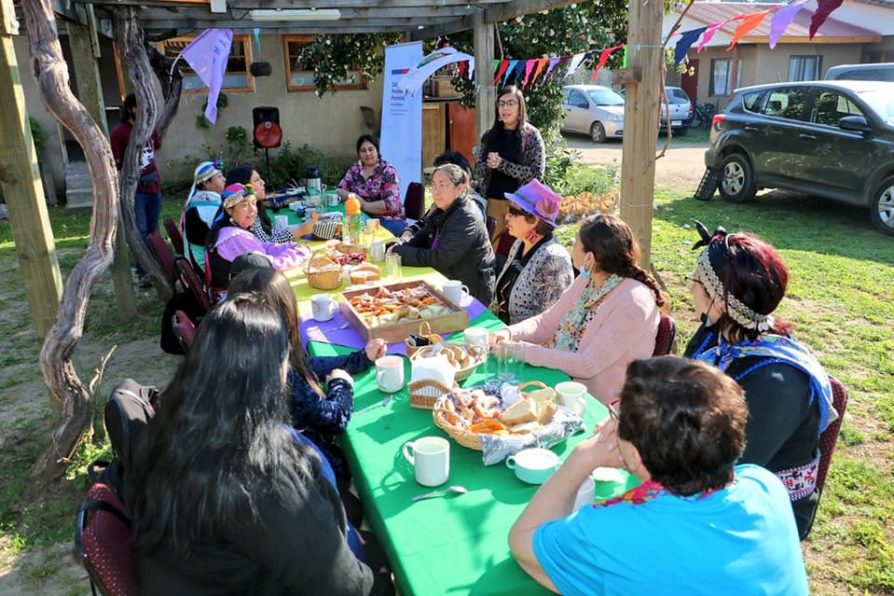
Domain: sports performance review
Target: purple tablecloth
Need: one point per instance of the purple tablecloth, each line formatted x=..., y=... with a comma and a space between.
x=338, y=331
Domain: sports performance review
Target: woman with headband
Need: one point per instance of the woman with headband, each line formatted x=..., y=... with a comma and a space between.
x=738, y=282
x=202, y=204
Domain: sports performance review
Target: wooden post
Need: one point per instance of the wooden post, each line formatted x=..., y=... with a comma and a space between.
x=23, y=190
x=90, y=93
x=641, y=122
x=485, y=94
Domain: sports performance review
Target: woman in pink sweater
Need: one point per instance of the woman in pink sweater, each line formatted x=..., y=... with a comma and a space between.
x=605, y=320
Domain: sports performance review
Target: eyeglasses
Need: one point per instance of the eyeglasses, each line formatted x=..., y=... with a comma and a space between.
x=509, y=103
x=516, y=212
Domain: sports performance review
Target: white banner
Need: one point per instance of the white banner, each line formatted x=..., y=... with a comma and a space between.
x=401, y=142
x=430, y=64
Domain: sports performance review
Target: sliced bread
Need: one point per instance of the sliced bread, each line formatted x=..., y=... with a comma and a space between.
x=524, y=410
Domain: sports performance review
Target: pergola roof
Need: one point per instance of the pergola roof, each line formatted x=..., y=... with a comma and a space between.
x=419, y=19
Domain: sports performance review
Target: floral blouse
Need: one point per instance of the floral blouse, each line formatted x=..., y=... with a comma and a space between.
x=574, y=322
x=382, y=185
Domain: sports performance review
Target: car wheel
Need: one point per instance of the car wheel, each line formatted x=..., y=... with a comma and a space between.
x=736, y=183
x=597, y=132
x=881, y=210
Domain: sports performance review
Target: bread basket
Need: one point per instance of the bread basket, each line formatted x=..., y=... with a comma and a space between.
x=327, y=228
x=475, y=353
x=424, y=331
x=424, y=393
x=327, y=277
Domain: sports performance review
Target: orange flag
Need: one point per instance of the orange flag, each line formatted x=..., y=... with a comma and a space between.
x=748, y=23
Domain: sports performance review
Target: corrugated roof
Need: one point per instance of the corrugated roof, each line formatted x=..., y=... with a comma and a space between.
x=832, y=31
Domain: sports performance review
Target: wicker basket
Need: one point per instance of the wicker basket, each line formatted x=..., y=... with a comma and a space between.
x=327, y=228
x=322, y=279
x=424, y=331
x=424, y=393
x=478, y=357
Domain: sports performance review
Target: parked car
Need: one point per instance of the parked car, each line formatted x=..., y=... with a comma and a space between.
x=882, y=71
x=681, y=110
x=831, y=139
x=594, y=110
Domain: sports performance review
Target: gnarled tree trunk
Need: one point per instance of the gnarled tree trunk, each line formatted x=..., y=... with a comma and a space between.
x=171, y=87
x=129, y=38
x=66, y=389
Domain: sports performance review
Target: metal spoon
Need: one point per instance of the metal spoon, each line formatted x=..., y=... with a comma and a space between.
x=381, y=404
x=456, y=489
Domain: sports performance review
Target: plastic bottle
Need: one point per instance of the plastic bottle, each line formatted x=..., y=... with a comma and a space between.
x=353, y=220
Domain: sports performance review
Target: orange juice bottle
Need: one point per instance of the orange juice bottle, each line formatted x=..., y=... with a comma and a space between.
x=353, y=221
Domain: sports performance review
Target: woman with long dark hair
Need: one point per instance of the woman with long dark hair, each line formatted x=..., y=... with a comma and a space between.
x=377, y=183
x=226, y=498
x=606, y=319
x=509, y=155
x=738, y=282
x=262, y=227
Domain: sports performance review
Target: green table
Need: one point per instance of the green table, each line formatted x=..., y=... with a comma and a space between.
x=448, y=545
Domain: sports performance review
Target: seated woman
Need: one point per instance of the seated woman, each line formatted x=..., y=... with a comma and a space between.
x=454, y=239
x=226, y=497
x=698, y=523
x=376, y=182
x=262, y=226
x=230, y=237
x=738, y=282
x=606, y=319
x=319, y=414
x=201, y=206
x=538, y=268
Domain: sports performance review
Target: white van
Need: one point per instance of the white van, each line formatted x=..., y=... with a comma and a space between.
x=882, y=71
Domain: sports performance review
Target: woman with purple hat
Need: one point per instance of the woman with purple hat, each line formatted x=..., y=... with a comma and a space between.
x=538, y=268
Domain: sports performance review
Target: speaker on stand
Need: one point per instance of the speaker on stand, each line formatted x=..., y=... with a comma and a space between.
x=267, y=133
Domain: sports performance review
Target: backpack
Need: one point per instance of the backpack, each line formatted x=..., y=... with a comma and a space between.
x=127, y=413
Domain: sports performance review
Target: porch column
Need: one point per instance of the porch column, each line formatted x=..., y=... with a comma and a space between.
x=485, y=94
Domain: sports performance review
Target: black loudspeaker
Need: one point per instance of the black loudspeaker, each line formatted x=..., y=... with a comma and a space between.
x=260, y=69
x=267, y=133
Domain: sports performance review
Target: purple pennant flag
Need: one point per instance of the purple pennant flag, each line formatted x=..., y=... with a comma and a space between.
x=552, y=64
x=685, y=42
x=207, y=54
x=782, y=19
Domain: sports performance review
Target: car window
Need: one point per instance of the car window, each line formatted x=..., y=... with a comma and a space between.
x=866, y=74
x=882, y=103
x=675, y=95
x=752, y=101
x=831, y=106
x=577, y=99
x=606, y=97
x=789, y=103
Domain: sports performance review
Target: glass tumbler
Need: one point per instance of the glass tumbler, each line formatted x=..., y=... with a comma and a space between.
x=392, y=266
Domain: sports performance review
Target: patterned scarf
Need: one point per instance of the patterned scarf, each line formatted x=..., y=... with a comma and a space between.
x=574, y=322
x=647, y=491
x=775, y=348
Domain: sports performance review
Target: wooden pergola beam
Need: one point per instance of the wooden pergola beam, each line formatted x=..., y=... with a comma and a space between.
x=313, y=4
x=340, y=26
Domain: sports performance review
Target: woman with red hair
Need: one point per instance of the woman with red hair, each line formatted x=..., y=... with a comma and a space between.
x=738, y=282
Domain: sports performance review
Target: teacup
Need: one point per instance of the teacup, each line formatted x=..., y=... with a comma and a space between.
x=476, y=336
x=332, y=198
x=281, y=222
x=390, y=373
x=533, y=465
x=323, y=307
x=430, y=457
x=609, y=482
x=572, y=395
x=453, y=290
x=377, y=251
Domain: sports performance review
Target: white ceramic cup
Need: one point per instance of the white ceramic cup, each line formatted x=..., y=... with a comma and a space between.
x=430, y=457
x=476, y=337
x=332, y=199
x=323, y=307
x=453, y=289
x=377, y=251
x=390, y=373
x=572, y=395
x=281, y=222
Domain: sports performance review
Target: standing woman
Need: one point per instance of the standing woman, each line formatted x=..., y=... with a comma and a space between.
x=377, y=184
x=510, y=154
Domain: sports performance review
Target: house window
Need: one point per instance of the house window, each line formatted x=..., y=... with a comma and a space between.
x=303, y=80
x=804, y=68
x=237, y=78
x=720, y=76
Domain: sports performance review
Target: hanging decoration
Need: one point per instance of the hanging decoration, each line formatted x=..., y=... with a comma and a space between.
x=685, y=42
x=604, y=55
x=782, y=19
x=823, y=9
x=748, y=23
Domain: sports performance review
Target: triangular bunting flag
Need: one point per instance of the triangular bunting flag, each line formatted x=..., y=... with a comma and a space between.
x=823, y=9
x=747, y=24
x=782, y=19
x=685, y=42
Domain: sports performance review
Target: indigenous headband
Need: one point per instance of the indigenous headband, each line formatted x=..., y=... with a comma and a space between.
x=235, y=194
x=207, y=170
x=709, y=262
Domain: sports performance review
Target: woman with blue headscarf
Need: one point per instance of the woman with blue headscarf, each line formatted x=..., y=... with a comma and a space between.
x=738, y=282
x=201, y=206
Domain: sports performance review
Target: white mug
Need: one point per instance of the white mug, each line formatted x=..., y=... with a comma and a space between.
x=281, y=222
x=332, y=199
x=476, y=336
x=323, y=307
x=572, y=395
x=390, y=373
x=430, y=456
x=453, y=289
x=377, y=251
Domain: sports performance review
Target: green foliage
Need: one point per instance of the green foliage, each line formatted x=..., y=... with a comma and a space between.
x=38, y=135
x=222, y=102
x=291, y=164
x=237, y=150
x=332, y=57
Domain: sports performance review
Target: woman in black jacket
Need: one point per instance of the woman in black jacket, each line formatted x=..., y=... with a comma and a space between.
x=454, y=239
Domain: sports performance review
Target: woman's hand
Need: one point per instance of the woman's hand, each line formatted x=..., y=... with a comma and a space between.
x=340, y=374
x=494, y=160
x=376, y=348
x=342, y=193
x=302, y=230
x=498, y=337
x=600, y=450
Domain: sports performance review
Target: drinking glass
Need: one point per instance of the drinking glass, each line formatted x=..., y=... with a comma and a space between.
x=392, y=266
x=504, y=362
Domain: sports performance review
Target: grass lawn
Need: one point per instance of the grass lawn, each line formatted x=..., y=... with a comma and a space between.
x=842, y=280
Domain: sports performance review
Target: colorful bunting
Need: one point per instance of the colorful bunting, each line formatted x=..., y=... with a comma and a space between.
x=541, y=64
x=748, y=23
x=508, y=74
x=504, y=64
x=709, y=33
x=552, y=64
x=782, y=19
x=529, y=68
x=603, y=58
x=575, y=62
x=823, y=9
x=685, y=42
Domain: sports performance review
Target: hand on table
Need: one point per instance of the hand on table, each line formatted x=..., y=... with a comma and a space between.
x=600, y=450
x=494, y=160
x=497, y=337
x=303, y=230
x=376, y=348
x=342, y=193
x=340, y=374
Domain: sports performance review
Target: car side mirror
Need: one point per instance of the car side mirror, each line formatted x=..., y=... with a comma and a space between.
x=855, y=123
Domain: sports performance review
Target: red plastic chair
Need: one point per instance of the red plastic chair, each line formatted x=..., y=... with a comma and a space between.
x=102, y=541
x=829, y=438
x=163, y=255
x=174, y=235
x=503, y=243
x=184, y=329
x=192, y=283
x=664, y=339
x=414, y=202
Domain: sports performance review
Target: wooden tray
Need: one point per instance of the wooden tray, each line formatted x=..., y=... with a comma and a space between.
x=457, y=320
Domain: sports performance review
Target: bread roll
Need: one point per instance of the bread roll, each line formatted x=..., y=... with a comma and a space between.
x=524, y=410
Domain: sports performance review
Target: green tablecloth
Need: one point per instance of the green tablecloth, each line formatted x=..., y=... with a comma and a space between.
x=453, y=545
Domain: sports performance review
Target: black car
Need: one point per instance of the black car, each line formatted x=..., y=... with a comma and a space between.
x=831, y=139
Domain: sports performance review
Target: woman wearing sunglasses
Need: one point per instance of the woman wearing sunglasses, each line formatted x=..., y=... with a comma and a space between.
x=538, y=268
x=605, y=320
x=509, y=155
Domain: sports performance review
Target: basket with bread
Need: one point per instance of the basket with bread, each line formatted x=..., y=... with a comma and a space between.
x=477, y=418
x=462, y=358
x=322, y=272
